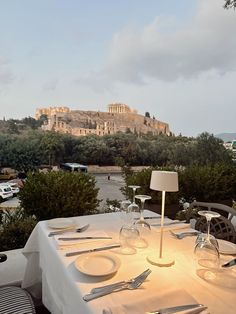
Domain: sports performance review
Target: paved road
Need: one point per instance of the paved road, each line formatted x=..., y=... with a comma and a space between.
x=109, y=188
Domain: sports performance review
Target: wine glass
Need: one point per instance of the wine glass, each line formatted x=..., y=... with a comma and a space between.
x=133, y=207
x=128, y=237
x=125, y=214
x=141, y=221
x=206, y=252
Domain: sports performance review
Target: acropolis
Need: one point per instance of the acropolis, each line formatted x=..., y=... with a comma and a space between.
x=118, y=118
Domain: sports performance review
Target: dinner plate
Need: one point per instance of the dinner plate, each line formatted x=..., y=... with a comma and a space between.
x=60, y=223
x=97, y=264
x=226, y=247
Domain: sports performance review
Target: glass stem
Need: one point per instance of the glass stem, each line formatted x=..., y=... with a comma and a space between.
x=208, y=228
x=141, y=210
x=134, y=195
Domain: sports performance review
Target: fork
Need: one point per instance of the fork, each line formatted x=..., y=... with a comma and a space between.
x=81, y=229
x=184, y=234
x=130, y=286
x=120, y=283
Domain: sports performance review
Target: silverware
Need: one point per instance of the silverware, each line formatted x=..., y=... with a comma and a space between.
x=168, y=223
x=184, y=234
x=129, y=286
x=143, y=275
x=58, y=232
x=82, y=238
x=93, y=250
x=150, y=217
x=230, y=263
x=196, y=308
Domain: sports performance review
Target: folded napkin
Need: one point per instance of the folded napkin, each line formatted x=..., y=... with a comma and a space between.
x=169, y=224
x=81, y=243
x=187, y=230
x=155, y=302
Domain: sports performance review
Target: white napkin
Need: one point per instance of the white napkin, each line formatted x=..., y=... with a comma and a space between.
x=83, y=243
x=160, y=300
x=188, y=230
x=167, y=224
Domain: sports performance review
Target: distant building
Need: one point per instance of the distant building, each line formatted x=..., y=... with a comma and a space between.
x=119, y=118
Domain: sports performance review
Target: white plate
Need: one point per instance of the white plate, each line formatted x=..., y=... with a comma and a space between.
x=226, y=247
x=61, y=223
x=97, y=264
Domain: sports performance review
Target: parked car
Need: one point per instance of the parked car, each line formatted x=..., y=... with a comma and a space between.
x=5, y=192
x=14, y=187
x=5, y=175
x=18, y=182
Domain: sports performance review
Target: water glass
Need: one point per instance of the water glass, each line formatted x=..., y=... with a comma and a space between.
x=128, y=237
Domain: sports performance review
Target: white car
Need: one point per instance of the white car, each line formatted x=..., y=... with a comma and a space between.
x=5, y=192
x=14, y=188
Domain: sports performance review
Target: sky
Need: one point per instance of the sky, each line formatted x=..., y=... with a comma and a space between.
x=173, y=59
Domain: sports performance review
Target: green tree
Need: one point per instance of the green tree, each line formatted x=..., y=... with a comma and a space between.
x=52, y=147
x=230, y=4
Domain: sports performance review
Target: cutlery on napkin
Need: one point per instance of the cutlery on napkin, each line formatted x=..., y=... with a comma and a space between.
x=168, y=223
x=72, y=240
x=97, y=249
x=188, y=309
x=156, y=300
x=82, y=238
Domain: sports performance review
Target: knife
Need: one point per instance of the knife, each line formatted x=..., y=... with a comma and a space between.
x=197, y=308
x=150, y=217
x=82, y=238
x=230, y=263
x=168, y=223
x=93, y=250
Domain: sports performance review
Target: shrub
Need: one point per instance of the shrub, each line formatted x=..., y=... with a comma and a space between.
x=209, y=183
x=59, y=194
x=15, y=233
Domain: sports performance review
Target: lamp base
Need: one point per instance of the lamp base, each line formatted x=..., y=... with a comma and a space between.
x=161, y=262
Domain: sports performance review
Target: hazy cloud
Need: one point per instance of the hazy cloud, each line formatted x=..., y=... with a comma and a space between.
x=167, y=52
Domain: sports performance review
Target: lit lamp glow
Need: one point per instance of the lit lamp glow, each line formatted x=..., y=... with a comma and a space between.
x=165, y=181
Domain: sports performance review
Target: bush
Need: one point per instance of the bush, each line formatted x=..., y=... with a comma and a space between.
x=15, y=233
x=59, y=194
x=210, y=183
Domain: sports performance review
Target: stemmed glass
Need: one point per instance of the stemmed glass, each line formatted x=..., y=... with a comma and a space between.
x=206, y=252
x=128, y=237
x=141, y=221
x=125, y=214
x=133, y=207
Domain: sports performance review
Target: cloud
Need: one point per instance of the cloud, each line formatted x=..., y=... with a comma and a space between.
x=167, y=52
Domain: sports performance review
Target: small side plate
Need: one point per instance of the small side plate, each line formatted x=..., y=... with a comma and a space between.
x=226, y=247
x=60, y=223
x=97, y=264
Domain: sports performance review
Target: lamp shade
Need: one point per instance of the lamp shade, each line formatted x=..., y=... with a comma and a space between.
x=164, y=181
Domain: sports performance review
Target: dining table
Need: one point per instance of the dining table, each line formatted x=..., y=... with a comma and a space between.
x=51, y=273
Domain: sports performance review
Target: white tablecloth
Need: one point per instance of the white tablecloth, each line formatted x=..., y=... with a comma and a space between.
x=63, y=285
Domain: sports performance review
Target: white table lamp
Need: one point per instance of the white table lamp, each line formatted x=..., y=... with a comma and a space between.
x=165, y=181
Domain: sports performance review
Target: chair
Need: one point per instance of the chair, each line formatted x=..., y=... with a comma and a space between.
x=220, y=227
x=223, y=209
x=15, y=300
